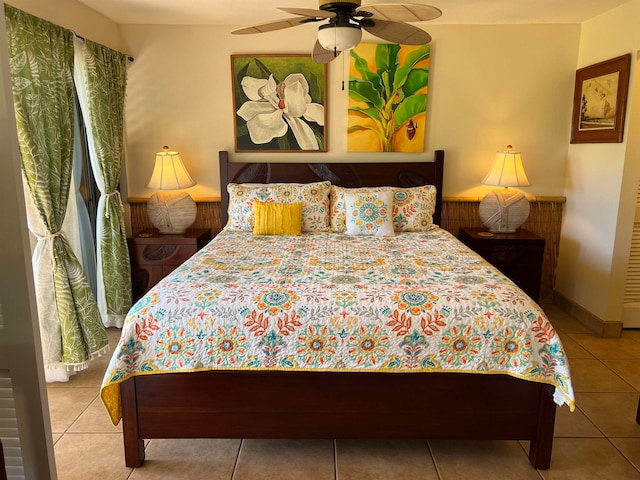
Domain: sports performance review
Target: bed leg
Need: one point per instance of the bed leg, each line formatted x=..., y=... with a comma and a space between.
x=542, y=444
x=133, y=444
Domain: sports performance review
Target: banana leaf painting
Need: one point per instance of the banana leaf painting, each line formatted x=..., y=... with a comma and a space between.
x=388, y=97
x=279, y=103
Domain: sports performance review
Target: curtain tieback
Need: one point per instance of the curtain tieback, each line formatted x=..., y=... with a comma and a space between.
x=50, y=236
x=115, y=193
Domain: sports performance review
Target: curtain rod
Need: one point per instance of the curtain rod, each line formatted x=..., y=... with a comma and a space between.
x=129, y=57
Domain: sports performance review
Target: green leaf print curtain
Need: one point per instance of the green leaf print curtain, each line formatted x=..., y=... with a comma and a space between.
x=41, y=62
x=100, y=76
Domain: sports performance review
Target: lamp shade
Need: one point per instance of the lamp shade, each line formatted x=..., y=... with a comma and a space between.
x=339, y=38
x=170, y=212
x=169, y=172
x=507, y=170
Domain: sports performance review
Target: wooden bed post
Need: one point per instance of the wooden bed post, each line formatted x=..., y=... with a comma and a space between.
x=438, y=158
x=133, y=444
x=542, y=444
x=223, y=158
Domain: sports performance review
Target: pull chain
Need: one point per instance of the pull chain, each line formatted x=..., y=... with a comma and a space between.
x=343, y=72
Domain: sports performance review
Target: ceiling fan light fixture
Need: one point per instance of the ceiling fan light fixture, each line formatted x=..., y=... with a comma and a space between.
x=347, y=18
x=339, y=38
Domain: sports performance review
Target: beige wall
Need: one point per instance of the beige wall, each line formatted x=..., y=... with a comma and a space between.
x=489, y=86
x=601, y=183
x=75, y=16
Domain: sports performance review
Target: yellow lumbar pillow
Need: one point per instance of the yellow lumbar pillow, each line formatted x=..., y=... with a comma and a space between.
x=271, y=218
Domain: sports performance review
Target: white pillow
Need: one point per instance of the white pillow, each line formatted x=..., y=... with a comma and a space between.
x=369, y=213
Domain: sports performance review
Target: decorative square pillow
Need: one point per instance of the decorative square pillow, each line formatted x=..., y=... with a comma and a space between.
x=369, y=213
x=412, y=207
x=270, y=218
x=314, y=198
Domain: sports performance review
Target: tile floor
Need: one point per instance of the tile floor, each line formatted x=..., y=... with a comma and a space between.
x=599, y=440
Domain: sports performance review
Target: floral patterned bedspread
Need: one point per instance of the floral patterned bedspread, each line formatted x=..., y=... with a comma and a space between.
x=416, y=302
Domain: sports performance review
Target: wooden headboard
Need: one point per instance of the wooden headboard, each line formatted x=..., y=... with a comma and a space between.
x=402, y=174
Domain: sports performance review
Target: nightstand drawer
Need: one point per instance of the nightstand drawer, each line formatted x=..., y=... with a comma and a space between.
x=518, y=256
x=511, y=254
x=154, y=256
x=169, y=254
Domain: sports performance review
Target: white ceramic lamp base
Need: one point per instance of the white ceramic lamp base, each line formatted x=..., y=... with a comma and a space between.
x=503, y=210
x=171, y=212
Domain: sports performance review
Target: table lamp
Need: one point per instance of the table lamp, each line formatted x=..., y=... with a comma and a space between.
x=170, y=210
x=503, y=210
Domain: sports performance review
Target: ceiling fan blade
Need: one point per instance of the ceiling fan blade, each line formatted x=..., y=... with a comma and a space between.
x=270, y=26
x=402, y=12
x=308, y=12
x=321, y=55
x=396, y=32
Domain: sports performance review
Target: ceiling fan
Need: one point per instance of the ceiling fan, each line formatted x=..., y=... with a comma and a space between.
x=345, y=21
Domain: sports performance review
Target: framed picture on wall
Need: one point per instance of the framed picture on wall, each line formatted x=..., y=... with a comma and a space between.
x=388, y=88
x=600, y=101
x=279, y=103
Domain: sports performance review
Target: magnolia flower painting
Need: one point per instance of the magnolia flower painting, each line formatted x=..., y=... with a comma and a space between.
x=279, y=103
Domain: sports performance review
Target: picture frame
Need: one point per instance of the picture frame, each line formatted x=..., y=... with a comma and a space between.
x=279, y=103
x=600, y=101
x=388, y=96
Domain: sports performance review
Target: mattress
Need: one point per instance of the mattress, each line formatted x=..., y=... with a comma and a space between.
x=414, y=302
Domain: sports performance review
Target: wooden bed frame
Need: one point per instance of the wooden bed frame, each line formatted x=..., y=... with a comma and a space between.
x=250, y=404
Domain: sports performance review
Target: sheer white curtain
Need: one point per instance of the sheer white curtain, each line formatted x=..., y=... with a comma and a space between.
x=77, y=224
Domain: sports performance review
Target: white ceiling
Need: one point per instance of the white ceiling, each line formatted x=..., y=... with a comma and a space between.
x=247, y=12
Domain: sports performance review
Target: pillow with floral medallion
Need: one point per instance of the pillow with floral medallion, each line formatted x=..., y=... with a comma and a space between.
x=369, y=213
x=413, y=207
x=314, y=197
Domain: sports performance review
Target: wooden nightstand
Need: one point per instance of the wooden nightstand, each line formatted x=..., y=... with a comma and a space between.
x=154, y=255
x=518, y=255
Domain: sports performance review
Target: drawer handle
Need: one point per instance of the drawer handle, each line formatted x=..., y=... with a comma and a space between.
x=159, y=252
